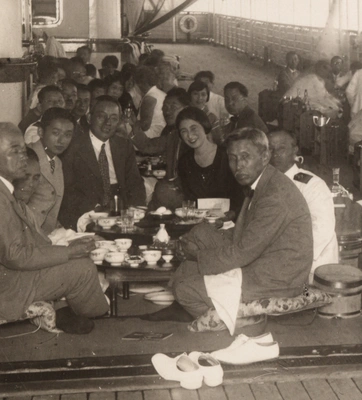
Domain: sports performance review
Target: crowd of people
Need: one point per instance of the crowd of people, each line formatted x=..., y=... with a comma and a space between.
x=77, y=147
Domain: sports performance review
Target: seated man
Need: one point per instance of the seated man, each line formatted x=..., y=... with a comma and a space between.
x=56, y=132
x=284, y=151
x=99, y=165
x=271, y=242
x=243, y=116
x=31, y=268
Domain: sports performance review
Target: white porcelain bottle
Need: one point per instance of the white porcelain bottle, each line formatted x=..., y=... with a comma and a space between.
x=162, y=236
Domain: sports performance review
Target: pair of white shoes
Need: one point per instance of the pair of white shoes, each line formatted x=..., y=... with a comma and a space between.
x=247, y=350
x=190, y=370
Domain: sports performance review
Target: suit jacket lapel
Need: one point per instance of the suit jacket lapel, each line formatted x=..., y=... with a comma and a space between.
x=86, y=152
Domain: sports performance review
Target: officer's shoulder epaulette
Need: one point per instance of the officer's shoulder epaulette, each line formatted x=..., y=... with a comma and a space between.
x=302, y=177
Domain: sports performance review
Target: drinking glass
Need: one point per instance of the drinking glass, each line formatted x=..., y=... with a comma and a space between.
x=188, y=208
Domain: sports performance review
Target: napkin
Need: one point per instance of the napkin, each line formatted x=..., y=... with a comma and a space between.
x=62, y=236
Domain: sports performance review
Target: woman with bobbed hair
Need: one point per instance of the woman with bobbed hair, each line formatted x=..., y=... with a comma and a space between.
x=150, y=115
x=204, y=172
x=199, y=95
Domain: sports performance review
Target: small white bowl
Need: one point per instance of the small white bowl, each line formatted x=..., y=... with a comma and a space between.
x=159, y=173
x=211, y=220
x=134, y=261
x=107, y=223
x=98, y=255
x=95, y=216
x=105, y=244
x=167, y=257
x=115, y=258
x=123, y=244
x=152, y=256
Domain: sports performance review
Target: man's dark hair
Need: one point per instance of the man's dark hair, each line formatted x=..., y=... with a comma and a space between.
x=205, y=74
x=146, y=75
x=85, y=47
x=47, y=89
x=56, y=113
x=31, y=154
x=110, y=79
x=257, y=137
x=197, y=86
x=110, y=60
x=291, y=54
x=194, y=114
x=237, y=85
x=180, y=94
x=46, y=70
x=107, y=98
x=83, y=88
x=96, y=84
x=67, y=81
x=77, y=60
x=91, y=70
x=335, y=58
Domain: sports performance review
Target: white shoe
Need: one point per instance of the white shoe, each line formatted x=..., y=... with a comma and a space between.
x=180, y=368
x=240, y=339
x=209, y=366
x=248, y=352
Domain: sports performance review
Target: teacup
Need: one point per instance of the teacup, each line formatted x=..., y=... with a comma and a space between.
x=98, y=255
x=107, y=223
x=115, y=258
x=123, y=244
x=105, y=244
x=167, y=257
x=152, y=256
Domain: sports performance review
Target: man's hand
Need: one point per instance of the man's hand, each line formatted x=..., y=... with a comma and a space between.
x=80, y=248
x=188, y=249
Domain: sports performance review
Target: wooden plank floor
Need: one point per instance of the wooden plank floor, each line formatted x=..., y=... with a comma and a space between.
x=311, y=389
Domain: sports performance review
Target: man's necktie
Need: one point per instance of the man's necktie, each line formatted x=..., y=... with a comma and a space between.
x=240, y=222
x=234, y=121
x=104, y=169
x=52, y=165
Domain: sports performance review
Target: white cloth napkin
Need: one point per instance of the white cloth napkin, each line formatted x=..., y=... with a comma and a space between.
x=225, y=292
x=83, y=221
x=62, y=236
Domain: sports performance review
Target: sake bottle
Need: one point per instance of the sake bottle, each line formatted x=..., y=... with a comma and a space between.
x=162, y=235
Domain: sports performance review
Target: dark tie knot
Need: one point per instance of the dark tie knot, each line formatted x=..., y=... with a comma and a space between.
x=248, y=191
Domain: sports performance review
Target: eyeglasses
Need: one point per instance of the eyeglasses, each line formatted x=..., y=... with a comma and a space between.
x=103, y=118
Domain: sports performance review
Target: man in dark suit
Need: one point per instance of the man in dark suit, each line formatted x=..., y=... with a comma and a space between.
x=99, y=165
x=271, y=242
x=289, y=74
x=31, y=269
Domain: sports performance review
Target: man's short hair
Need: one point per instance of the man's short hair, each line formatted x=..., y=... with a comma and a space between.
x=291, y=54
x=83, y=88
x=335, y=58
x=96, y=84
x=180, y=94
x=194, y=114
x=91, y=70
x=198, y=86
x=290, y=134
x=257, y=137
x=205, y=74
x=238, y=86
x=32, y=155
x=109, y=99
x=46, y=70
x=77, y=60
x=67, y=81
x=8, y=127
x=85, y=47
x=110, y=60
x=110, y=79
x=146, y=75
x=47, y=89
x=56, y=113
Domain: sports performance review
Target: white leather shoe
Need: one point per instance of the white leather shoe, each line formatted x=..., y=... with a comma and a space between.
x=209, y=366
x=247, y=352
x=240, y=339
x=180, y=368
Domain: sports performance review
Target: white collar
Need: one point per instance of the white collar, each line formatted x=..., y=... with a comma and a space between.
x=293, y=170
x=8, y=184
x=253, y=186
x=95, y=141
x=292, y=70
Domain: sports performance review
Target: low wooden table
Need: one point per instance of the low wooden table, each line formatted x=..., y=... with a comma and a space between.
x=123, y=275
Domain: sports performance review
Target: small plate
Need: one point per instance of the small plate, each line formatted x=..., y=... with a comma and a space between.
x=163, y=302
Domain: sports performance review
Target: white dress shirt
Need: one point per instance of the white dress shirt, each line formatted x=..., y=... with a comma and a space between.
x=8, y=184
x=97, y=147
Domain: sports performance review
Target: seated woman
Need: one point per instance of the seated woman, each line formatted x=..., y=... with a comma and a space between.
x=150, y=115
x=204, y=172
x=199, y=95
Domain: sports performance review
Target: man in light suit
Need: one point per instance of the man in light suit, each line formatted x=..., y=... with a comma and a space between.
x=31, y=269
x=56, y=132
x=99, y=165
x=271, y=241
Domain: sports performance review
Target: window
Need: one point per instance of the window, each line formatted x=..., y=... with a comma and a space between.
x=47, y=12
